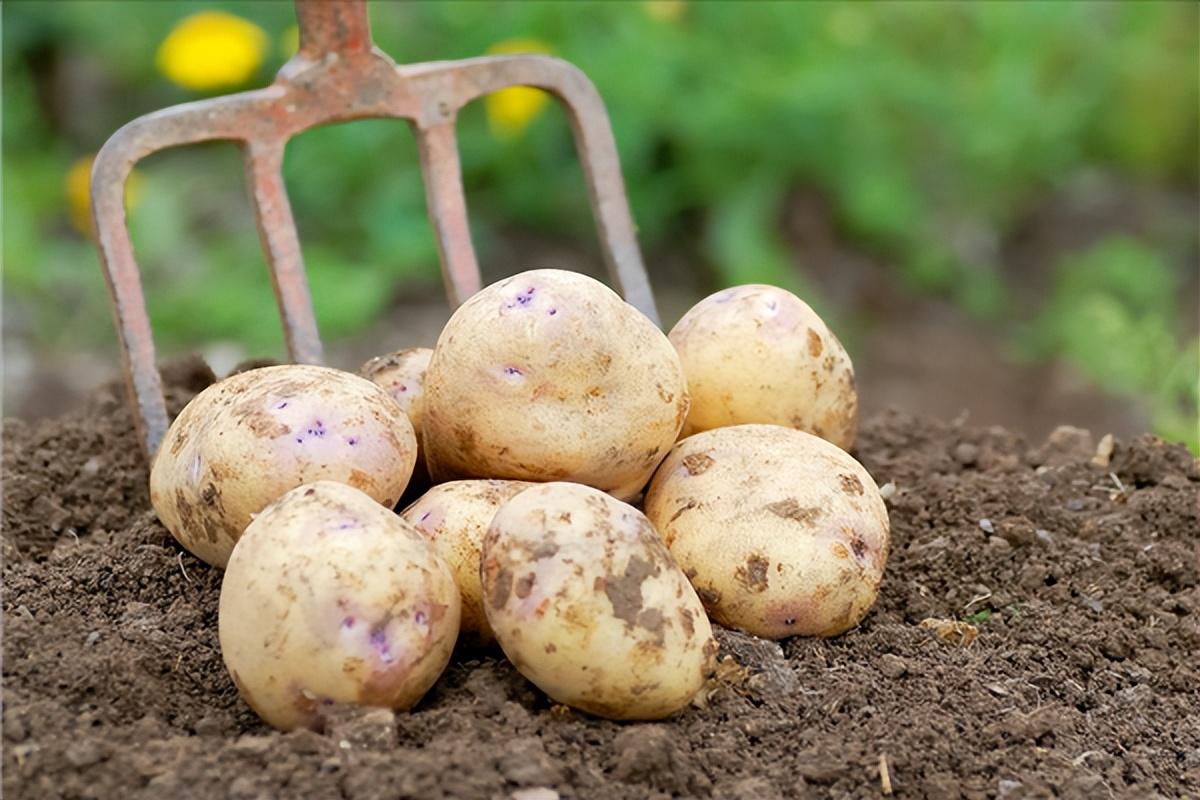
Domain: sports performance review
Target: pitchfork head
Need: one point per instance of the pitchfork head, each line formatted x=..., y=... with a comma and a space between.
x=338, y=74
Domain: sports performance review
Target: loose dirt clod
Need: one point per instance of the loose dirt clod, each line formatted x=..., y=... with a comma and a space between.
x=952, y=630
x=1054, y=698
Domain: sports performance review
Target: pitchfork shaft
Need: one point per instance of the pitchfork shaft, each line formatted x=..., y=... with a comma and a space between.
x=333, y=26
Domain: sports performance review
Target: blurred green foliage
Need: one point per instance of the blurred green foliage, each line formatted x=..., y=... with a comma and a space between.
x=1106, y=315
x=931, y=127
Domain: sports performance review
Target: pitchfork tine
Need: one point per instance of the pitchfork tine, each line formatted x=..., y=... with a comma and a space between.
x=184, y=124
x=281, y=244
x=458, y=83
x=337, y=75
x=448, y=210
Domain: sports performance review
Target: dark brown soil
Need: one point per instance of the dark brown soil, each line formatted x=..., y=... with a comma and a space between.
x=1084, y=680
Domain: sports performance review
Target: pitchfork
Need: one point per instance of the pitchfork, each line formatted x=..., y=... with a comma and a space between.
x=339, y=74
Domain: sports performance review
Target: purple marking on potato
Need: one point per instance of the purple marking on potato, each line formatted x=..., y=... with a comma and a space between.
x=347, y=525
x=420, y=618
x=196, y=465
x=379, y=642
x=772, y=305
x=281, y=405
x=353, y=440
x=348, y=623
x=317, y=429
x=402, y=387
x=513, y=372
x=552, y=311
x=522, y=299
x=431, y=519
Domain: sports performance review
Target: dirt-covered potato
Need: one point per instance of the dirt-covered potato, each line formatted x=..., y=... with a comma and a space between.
x=402, y=374
x=781, y=532
x=331, y=598
x=246, y=440
x=549, y=375
x=588, y=604
x=455, y=517
x=759, y=354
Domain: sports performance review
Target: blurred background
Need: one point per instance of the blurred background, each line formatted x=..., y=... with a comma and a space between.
x=995, y=205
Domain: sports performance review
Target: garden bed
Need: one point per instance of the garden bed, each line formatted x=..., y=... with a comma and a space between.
x=1080, y=577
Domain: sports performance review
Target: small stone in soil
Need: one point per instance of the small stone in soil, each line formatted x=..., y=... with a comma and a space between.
x=535, y=793
x=893, y=666
x=83, y=754
x=527, y=764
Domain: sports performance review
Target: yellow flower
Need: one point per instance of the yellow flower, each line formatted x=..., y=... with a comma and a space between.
x=509, y=111
x=665, y=10
x=212, y=50
x=78, y=186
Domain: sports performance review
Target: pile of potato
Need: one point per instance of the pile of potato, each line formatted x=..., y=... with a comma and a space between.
x=547, y=410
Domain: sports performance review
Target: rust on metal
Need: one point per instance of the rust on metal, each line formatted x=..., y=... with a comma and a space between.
x=338, y=74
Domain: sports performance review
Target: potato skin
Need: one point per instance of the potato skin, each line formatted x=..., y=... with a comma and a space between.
x=587, y=603
x=549, y=375
x=402, y=374
x=330, y=597
x=781, y=532
x=759, y=354
x=246, y=440
x=455, y=517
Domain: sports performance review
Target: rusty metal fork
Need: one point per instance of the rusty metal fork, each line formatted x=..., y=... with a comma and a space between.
x=338, y=74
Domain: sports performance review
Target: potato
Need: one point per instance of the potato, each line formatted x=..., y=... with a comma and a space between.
x=402, y=374
x=760, y=354
x=780, y=532
x=549, y=375
x=246, y=440
x=331, y=598
x=587, y=603
x=455, y=517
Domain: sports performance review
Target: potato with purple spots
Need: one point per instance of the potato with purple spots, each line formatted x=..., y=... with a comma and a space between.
x=759, y=354
x=246, y=440
x=549, y=375
x=455, y=517
x=402, y=374
x=781, y=532
x=588, y=604
x=331, y=598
